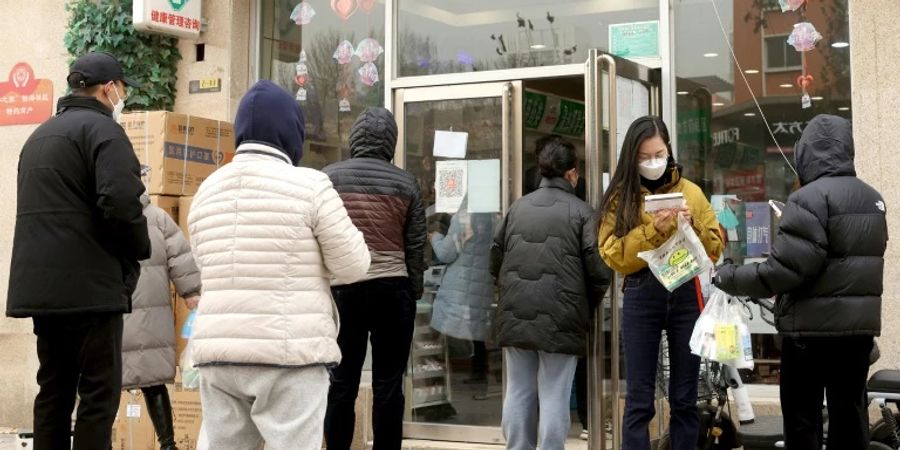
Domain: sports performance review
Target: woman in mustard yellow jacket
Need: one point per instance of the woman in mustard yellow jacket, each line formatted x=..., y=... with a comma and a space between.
x=646, y=166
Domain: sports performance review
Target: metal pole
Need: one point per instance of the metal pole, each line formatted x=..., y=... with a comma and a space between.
x=613, y=292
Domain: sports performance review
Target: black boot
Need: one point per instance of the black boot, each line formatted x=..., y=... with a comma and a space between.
x=160, y=410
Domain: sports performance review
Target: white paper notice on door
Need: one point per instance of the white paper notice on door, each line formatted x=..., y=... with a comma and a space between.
x=450, y=144
x=484, y=186
x=451, y=178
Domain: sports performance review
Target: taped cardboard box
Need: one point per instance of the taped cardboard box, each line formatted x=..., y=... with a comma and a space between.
x=188, y=415
x=180, y=150
x=184, y=208
x=133, y=429
x=168, y=204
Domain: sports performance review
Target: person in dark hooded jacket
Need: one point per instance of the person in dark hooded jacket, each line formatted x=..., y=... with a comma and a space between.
x=826, y=266
x=385, y=203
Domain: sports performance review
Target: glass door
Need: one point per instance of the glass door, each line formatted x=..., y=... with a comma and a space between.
x=617, y=92
x=458, y=141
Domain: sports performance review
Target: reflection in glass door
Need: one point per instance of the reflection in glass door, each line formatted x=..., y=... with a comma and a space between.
x=455, y=141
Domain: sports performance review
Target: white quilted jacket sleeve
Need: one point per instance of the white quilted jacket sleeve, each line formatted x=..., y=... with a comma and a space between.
x=344, y=248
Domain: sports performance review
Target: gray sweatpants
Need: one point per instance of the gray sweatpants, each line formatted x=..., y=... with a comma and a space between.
x=244, y=406
x=538, y=388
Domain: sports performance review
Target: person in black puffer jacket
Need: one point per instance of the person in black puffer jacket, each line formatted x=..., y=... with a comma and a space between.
x=546, y=261
x=385, y=203
x=826, y=265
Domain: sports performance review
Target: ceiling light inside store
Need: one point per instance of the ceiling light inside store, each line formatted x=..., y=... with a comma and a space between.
x=844, y=108
x=538, y=46
x=682, y=92
x=817, y=98
x=710, y=55
x=718, y=104
x=750, y=114
x=840, y=44
x=751, y=71
x=786, y=85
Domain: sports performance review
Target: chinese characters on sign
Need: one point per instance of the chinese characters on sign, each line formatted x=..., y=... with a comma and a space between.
x=24, y=99
x=175, y=20
x=758, y=229
x=788, y=127
x=179, y=18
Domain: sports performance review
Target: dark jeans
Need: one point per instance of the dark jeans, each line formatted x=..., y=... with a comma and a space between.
x=383, y=309
x=832, y=367
x=649, y=309
x=78, y=354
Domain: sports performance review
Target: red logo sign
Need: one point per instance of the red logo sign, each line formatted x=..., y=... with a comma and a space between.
x=25, y=99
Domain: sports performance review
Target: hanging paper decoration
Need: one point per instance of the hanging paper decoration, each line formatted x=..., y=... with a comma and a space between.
x=804, y=37
x=303, y=13
x=367, y=5
x=302, y=56
x=301, y=95
x=368, y=74
x=344, y=52
x=369, y=50
x=790, y=5
x=344, y=8
x=344, y=105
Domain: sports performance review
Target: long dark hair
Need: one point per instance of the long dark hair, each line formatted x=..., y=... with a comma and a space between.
x=625, y=185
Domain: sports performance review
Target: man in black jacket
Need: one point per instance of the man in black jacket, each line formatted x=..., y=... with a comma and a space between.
x=826, y=265
x=384, y=202
x=79, y=235
x=546, y=262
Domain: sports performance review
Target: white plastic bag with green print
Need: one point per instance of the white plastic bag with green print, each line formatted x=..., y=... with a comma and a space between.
x=679, y=259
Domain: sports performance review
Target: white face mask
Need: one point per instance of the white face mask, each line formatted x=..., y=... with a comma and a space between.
x=119, y=106
x=654, y=168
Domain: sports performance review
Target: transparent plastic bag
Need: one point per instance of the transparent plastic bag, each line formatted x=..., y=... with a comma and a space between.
x=190, y=375
x=722, y=333
x=679, y=259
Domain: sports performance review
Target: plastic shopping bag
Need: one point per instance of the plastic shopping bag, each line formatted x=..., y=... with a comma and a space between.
x=722, y=334
x=679, y=259
x=190, y=375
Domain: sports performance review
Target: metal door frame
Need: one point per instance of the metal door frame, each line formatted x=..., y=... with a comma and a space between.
x=597, y=64
x=510, y=92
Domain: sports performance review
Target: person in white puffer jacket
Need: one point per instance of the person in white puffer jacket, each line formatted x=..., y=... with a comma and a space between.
x=269, y=238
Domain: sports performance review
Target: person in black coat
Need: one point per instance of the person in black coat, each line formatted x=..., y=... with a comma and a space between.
x=80, y=232
x=546, y=261
x=826, y=266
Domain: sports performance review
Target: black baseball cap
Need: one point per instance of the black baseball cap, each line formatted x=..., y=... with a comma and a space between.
x=96, y=68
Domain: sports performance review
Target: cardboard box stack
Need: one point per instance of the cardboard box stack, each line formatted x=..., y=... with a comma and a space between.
x=181, y=152
x=133, y=429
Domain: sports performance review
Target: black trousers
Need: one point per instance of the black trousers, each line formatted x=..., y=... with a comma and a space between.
x=383, y=310
x=79, y=355
x=836, y=368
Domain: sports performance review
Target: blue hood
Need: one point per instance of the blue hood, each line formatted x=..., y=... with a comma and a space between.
x=269, y=115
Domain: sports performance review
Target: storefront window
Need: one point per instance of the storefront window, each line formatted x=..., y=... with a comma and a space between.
x=331, y=58
x=723, y=142
x=439, y=36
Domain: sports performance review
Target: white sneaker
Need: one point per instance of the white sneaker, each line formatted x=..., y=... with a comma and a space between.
x=583, y=435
